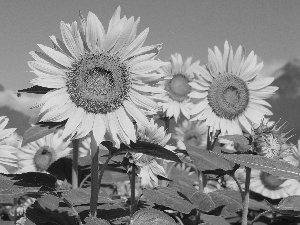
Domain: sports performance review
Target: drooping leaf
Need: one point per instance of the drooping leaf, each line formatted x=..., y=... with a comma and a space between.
x=153, y=150
x=169, y=198
x=36, y=132
x=151, y=217
x=81, y=196
x=36, y=90
x=215, y=220
x=205, y=160
x=96, y=221
x=271, y=166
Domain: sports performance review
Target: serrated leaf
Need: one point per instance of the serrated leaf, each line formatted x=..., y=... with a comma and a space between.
x=151, y=217
x=169, y=198
x=81, y=196
x=49, y=201
x=96, y=221
x=36, y=132
x=205, y=160
x=36, y=90
x=290, y=203
x=271, y=166
x=215, y=220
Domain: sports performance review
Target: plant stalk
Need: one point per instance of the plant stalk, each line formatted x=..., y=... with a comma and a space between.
x=94, y=185
x=132, y=186
x=246, y=197
x=75, y=144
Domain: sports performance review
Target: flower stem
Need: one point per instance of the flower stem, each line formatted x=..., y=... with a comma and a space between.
x=103, y=169
x=75, y=144
x=246, y=197
x=239, y=186
x=259, y=215
x=132, y=186
x=94, y=185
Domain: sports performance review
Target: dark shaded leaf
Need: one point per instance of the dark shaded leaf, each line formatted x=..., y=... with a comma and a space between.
x=169, y=198
x=215, y=220
x=96, y=221
x=36, y=132
x=205, y=160
x=153, y=150
x=271, y=166
x=151, y=217
x=49, y=201
x=36, y=90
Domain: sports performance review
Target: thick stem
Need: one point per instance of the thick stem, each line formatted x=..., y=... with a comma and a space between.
x=246, y=197
x=94, y=185
x=103, y=169
x=132, y=186
x=75, y=144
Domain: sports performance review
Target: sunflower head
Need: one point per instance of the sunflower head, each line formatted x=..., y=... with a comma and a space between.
x=270, y=141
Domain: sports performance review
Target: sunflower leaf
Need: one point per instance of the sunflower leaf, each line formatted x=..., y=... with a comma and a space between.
x=241, y=143
x=151, y=216
x=271, y=166
x=36, y=89
x=290, y=203
x=205, y=160
x=153, y=150
x=95, y=221
x=169, y=198
x=227, y=201
x=38, y=131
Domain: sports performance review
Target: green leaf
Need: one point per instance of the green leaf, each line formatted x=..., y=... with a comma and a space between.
x=151, y=217
x=290, y=203
x=271, y=166
x=36, y=132
x=96, y=221
x=36, y=90
x=7, y=195
x=241, y=143
x=153, y=150
x=215, y=220
x=205, y=160
x=81, y=196
x=230, y=200
x=168, y=198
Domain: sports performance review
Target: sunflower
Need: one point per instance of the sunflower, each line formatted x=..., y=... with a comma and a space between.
x=191, y=132
x=229, y=95
x=268, y=185
x=8, y=146
x=38, y=155
x=97, y=78
x=177, y=76
x=149, y=167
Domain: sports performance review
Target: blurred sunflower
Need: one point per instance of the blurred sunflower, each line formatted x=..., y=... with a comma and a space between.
x=177, y=76
x=8, y=146
x=191, y=132
x=97, y=78
x=229, y=96
x=38, y=155
x=268, y=185
x=149, y=167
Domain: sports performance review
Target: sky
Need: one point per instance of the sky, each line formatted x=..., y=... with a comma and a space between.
x=190, y=27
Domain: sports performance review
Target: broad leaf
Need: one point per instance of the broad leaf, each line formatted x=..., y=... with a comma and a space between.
x=96, y=221
x=215, y=220
x=7, y=196
x=36, y=132
x=290, y=203
x=81, y=196
x=169, y=198
x=271, y=166
x=151, y=217
x=205, y=160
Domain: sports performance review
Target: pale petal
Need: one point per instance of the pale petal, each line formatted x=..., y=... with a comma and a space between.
x=57, y=56
x=143, y=101
x=126, y=124
x=99, y=129
x=137, y=115
x=260, y=83
x=73, y=123
x=245, y=123
x=69, y=41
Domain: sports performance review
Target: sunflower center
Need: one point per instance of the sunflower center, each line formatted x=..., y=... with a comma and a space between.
x=98, y=82
x=178, y=87
x=192, y=138
x=228, y=96
x=43, y=158
x=270, y=182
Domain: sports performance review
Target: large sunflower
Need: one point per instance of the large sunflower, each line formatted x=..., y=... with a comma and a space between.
x=230, y=97
x=97, y=78
x=177, y=76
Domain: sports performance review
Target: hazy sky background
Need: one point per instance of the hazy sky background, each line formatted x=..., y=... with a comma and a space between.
x=270, y=28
